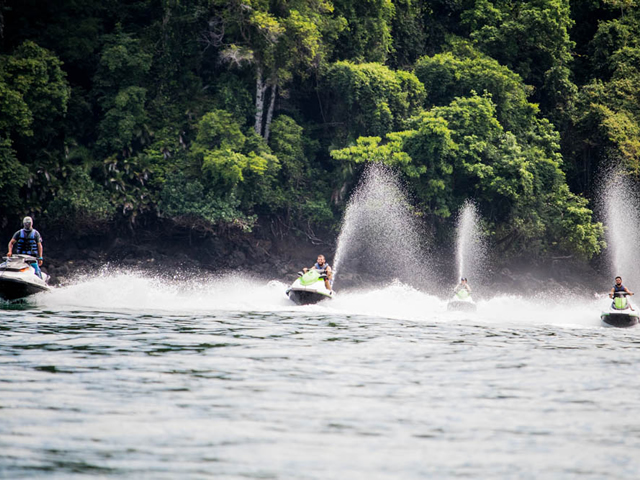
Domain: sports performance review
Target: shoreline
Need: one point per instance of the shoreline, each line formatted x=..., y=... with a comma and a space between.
x=280, y=258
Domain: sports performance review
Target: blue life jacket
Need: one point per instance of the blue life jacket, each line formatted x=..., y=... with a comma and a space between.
x=27, y=244
x=617, y=288
x=322, y=270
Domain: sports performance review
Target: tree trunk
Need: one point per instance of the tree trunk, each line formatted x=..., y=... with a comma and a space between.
x=272, y=103
x=260, y=91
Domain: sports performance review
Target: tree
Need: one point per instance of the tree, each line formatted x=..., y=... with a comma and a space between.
x=367, y=36
x=35, y=91
x=606, y=123
x=33, y=99
x=279, y=40
x=371, y=99
x=462, y=150
x=448, y=75
x=119, y=88
x=532, y=39
x=235, y=163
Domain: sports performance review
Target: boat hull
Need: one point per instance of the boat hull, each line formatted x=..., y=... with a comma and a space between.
x=12, y=288
x=305, y=297
x=18, y=278
x=462, y=306
x=619, y=320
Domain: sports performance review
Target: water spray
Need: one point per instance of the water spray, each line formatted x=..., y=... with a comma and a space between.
x=621, y=210
x=380, y=238
x=471, y=249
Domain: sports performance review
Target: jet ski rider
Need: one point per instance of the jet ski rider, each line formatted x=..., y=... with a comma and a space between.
x=28, y=242
x=324, y=269
x=462, y=286
x=618, y=287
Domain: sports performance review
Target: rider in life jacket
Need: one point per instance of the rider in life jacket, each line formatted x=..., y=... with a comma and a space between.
x=618, y=287
x=463, y=285
x=28, y=242
x=324, y=269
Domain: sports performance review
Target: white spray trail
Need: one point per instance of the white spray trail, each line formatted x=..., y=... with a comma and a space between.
x=137, y=292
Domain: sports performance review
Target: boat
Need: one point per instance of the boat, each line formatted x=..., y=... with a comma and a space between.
x=309, y=288
x=18, y=278
x=621, y=313
x=462, y=301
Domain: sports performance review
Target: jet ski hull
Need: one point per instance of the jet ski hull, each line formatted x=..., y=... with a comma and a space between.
x=18, y=278
x=309, y=288
x=462, y=302
x=306, y=297
x=12, y=289
x=462, y=306
x=619, y=320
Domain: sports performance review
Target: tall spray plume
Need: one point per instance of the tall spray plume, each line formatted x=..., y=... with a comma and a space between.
x=622, y=219
x=471, y=251
x=380, y=239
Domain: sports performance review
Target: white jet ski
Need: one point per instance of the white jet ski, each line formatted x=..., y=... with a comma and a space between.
x=309, y=288
x=621, y=313
x=18, y=278
x=462, y=301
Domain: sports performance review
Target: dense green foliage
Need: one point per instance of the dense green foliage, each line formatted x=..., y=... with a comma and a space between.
x=223, y=113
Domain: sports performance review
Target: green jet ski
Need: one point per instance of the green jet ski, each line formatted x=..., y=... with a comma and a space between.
x=309, y=288
x=462, y=301
x=621, y=313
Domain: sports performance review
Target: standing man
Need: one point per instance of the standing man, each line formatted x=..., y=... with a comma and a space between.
x=28, y=242
x=324, y=269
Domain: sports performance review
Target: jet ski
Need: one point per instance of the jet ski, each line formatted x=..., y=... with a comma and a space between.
x=621, y=313
x=309, y=288
x=462, y=301
x=18, y=278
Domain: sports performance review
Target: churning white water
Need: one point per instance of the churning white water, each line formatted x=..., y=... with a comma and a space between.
x=380, y=238
x=136, y=291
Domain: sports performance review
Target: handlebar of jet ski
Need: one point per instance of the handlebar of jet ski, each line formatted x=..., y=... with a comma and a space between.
x=19, y=256
x=323, y=276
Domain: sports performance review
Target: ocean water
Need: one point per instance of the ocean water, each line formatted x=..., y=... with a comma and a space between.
x=127, y=376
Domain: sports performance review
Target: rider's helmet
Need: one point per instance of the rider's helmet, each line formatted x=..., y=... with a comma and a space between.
x=27, y=222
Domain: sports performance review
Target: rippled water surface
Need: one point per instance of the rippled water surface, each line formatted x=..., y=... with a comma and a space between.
x=128, y=377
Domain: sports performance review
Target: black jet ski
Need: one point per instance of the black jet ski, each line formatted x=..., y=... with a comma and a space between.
x=621, y=313
x=462, y=301
x=18, y=278
x=309, y=288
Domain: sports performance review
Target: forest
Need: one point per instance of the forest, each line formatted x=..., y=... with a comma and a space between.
x=218, y=115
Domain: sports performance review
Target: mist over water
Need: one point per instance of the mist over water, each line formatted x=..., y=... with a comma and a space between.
x=471, y=244
x=621, y=205
x=380, y=239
